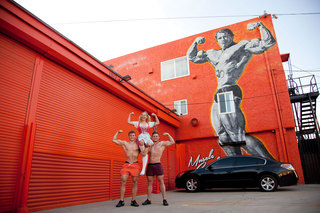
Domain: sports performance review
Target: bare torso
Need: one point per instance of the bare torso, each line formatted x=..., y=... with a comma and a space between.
x=229, y=63
x=156, y=152
x=131, y=150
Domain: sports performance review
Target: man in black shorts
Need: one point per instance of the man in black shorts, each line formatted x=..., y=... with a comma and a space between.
x=154, y=167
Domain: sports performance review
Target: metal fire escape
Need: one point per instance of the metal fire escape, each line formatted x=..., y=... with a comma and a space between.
x=303, y=93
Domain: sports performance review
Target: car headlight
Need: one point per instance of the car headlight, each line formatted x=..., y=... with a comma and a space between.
x=287, y=166
x=180, y=174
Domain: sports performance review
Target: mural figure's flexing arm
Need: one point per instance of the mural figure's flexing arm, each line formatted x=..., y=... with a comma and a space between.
x=195, y=55
x=260, y=45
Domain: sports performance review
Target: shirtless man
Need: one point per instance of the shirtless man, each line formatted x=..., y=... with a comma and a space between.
x=154, y=166
x=130, y=167
x=229, y=63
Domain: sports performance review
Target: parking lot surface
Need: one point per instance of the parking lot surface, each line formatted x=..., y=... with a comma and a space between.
x=303, y=198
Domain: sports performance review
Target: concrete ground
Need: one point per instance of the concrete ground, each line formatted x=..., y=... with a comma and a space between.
x=303, y=198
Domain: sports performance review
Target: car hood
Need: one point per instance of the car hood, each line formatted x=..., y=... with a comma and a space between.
x=191, y=171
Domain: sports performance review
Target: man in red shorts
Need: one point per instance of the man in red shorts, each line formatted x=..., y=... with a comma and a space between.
x=154, y=167
x=130, y=167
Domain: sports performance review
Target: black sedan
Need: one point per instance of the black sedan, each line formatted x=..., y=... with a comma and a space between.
x=239, y=172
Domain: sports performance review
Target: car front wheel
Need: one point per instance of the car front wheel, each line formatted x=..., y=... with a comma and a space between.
x=192, y=184
x=268, y=183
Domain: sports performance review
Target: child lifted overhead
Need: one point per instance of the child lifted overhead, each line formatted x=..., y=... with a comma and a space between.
x=144, y=139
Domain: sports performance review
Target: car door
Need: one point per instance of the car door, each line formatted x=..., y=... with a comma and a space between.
x=245, y=171
x=217, y=174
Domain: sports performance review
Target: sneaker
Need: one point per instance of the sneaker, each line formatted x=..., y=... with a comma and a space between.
x=134, y=203
x=147, y=202
x=165, y=203
x=121, y=203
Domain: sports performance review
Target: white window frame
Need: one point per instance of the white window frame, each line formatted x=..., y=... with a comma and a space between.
x=178, y=106
x=230, y=108
x=174, y=68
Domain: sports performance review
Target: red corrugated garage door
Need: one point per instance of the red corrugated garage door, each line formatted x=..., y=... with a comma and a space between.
x=74, y=159
x=16, y=65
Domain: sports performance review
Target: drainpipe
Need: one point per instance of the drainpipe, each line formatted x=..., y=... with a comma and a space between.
x=26, y=169
x=22, y=190
x=277, y=107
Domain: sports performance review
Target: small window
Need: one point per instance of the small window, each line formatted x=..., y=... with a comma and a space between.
x=174, y=68
x=181, y=107
x=248, y=161
x=226, y=103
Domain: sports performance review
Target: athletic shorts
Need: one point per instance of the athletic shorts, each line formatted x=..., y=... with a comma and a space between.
x=154, y=169
x=132, y=169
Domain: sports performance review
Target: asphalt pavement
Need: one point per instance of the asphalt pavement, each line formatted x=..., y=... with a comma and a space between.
x=302, y=198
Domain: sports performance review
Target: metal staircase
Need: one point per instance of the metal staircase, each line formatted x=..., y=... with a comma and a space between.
x=303, y=93
x=308, y=122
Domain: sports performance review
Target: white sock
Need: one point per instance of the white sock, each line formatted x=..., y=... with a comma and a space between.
x=144, y=165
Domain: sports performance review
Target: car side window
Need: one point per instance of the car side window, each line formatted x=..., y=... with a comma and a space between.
x=223, y=163
x=249, y=161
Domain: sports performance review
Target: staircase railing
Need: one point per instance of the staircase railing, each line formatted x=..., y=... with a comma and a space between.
x=302, y=85
x=303, y=92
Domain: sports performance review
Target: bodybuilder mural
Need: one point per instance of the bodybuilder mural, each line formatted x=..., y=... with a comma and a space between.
x=229, y=63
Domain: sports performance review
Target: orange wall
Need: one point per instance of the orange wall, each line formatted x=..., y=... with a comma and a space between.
x=199, y=87
x=60, y=110
x=62, y=125
x=265, y=104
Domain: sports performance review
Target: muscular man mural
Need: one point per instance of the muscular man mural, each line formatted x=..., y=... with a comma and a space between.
x=229, y=63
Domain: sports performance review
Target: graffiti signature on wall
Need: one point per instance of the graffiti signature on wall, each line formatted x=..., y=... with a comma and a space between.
x=201, y=162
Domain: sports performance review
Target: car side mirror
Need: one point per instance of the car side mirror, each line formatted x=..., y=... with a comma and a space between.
x=211, y=168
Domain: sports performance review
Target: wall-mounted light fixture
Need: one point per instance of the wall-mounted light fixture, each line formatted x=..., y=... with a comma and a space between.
x=125, y=78
x=194, y=122
x=173, y=110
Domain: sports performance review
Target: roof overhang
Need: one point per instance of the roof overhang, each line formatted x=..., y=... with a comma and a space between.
x=24, y=27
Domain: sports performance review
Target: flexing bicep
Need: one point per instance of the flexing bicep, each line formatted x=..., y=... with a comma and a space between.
x=118, y=142
x=134, y=123
x=257, y=46
x=167, y=143
x=199, y=58
x=131, y=122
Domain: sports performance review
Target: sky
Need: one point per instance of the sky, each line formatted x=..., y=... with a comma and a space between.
x=108, y=29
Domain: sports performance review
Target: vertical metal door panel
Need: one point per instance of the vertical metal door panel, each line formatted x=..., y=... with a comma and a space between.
x=165, y=163
x=142, y=184
x=116, y=182
x=76, y=117
x=58, y=180
x=76, y=121
x=16, y=65
x=172, y=169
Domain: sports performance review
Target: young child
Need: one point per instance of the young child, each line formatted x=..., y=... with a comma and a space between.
x=143, y=126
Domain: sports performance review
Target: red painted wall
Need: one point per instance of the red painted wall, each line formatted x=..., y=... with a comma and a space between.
x=67, y=106
x=59, y=112
x=265, y=103
x=67, y=143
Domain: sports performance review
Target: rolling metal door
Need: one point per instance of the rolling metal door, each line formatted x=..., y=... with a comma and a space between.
x=16, y=65
x=74, y=159
x=172, y=168
x=59, y=180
